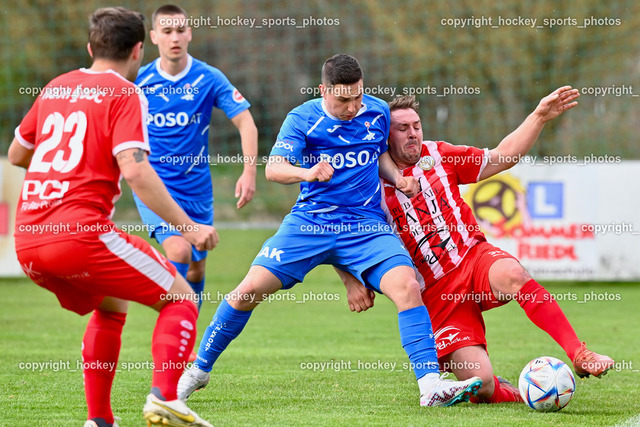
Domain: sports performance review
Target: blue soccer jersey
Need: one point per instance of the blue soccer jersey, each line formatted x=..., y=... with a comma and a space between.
x=180, y=110
x=310, y=134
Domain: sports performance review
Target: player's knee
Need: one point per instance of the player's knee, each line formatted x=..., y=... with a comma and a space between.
x=258, y=285
x=178, y=249
x=508, y=277
x=404, y=293
x=247, y=295
x=411, y=287
x=516, y=276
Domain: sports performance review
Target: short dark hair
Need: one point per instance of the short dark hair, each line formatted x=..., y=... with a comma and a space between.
x=114, y=31
x=404, y=102
x=341, y=69
x=168, y=9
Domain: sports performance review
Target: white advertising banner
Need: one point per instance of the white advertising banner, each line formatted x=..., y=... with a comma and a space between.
x=11, y=178
x=570, y=220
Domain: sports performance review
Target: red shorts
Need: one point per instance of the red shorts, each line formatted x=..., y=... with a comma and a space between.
x=456, y=301
x=81, y=272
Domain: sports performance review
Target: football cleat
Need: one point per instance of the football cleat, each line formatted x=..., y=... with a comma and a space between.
x=191, y=380
x=586, y=363
x=448, y=392
x=510, y=388
x=172, y=413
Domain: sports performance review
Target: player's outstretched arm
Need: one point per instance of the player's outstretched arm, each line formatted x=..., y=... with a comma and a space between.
x=146, y=183
x=280, y=170
x=19, y=155
x=519, y=142
x=246, y=184
x=389, y=170
x=359, y=297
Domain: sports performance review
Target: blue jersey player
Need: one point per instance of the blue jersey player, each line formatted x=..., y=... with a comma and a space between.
x=182, y=93
x=340, y=144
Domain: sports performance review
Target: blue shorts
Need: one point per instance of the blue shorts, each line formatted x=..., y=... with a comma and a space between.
x=200, y=212
x=365, y=247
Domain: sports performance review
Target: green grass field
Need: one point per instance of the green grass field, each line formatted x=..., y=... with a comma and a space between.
x=266, y=377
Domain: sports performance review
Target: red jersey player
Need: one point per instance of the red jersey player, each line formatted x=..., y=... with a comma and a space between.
x=85, y=131
x=461, y=274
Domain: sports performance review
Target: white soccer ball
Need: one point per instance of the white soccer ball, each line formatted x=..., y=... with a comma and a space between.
x=547, y=384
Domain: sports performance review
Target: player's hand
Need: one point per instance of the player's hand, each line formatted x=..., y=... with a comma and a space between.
x=409, y=185
x=245, y=188
x=359, y=298
x=203, y=237
x=321, y=171
x=556, y=103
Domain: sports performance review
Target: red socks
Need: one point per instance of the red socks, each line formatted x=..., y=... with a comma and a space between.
x=173, y=340
x=543, y=310
x=500, y=394
x=100, y=350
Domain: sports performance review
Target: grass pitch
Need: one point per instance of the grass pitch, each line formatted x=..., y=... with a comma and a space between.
x=305, y=359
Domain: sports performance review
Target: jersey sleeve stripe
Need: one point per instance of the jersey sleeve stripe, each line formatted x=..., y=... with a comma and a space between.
x=130, y=144
x=26, y=144
x=485, y=160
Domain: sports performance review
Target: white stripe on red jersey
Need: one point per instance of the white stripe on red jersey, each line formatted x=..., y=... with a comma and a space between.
x=437, y=226
x=139, y=260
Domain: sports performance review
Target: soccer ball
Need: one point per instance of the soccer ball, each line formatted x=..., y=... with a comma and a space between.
x=547, y=384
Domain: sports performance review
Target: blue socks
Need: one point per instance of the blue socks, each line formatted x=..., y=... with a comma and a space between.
x=181, y=267
x=417, y=340
x=197, y=287
x=226, y=324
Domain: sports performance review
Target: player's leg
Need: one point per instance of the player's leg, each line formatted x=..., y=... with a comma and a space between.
x=283, y=261
x=195, y=279
x=375, y=256
x=100, y=352
x=233, y=314
x=50, y=267
x=196, y=276
x=473, y=361
x=189, y=261
x=400, y=285
x=181, y=254
x=132, y=270
x=172, y=341
x=173, y=337
x=177, y=250
x=509, y=280
x=229, y=320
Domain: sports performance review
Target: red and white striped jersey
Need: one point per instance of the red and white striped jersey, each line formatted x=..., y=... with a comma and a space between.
x=78, y=124
x=437, y=226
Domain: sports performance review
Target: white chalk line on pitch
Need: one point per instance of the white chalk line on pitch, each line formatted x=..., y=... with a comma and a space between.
x=631, y=422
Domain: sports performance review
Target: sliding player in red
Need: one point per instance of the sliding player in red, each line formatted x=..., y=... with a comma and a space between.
x=461, y=274
x=84, y=132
